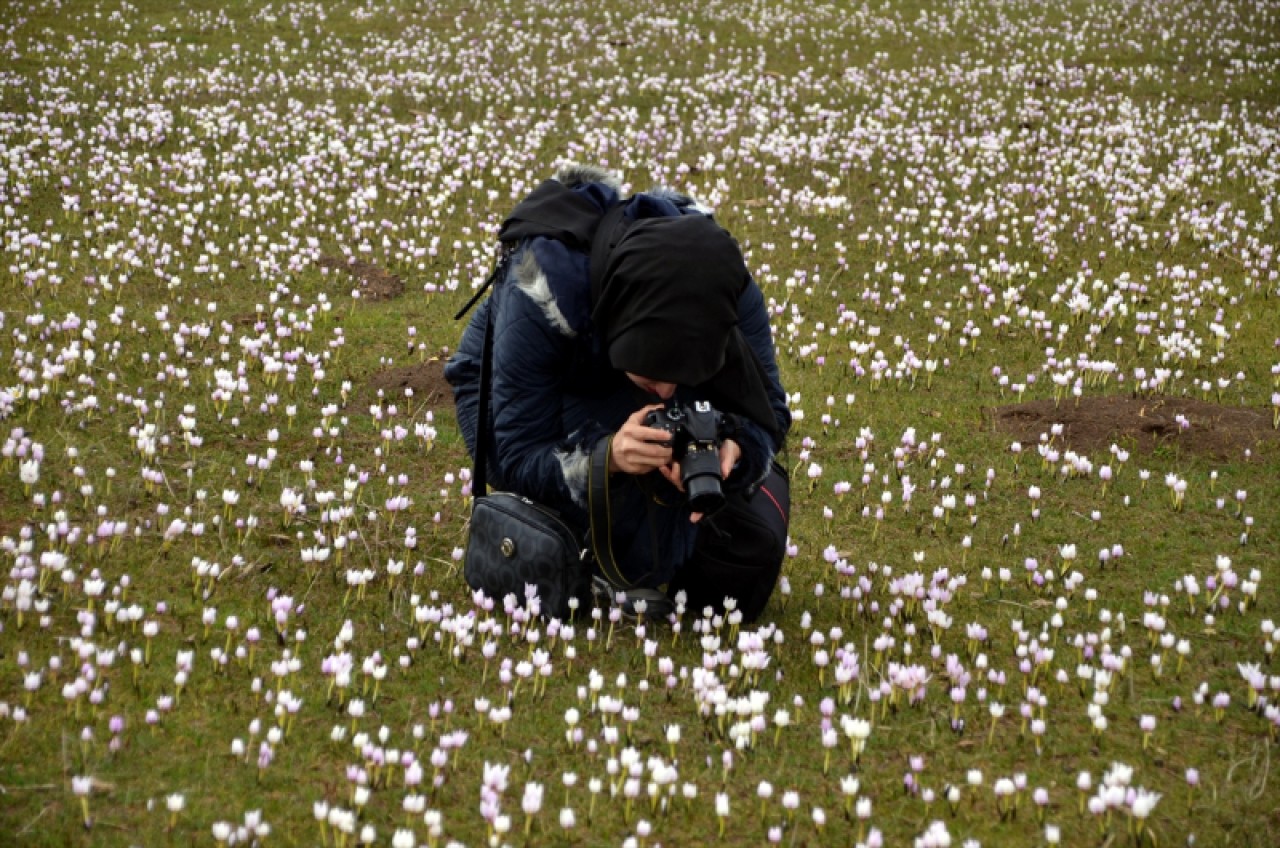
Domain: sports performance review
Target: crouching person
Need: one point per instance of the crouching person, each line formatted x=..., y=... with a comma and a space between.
x=633, y=380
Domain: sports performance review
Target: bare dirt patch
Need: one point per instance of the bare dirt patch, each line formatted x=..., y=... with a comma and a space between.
x=1143, y=425
x=374, y=283
x=425, y=379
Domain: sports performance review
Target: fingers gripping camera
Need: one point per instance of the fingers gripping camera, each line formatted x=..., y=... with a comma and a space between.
x=696, y=434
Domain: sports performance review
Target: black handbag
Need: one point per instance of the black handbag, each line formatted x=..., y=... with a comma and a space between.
x=514, y=543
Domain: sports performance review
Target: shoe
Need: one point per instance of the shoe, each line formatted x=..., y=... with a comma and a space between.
x=636, y=602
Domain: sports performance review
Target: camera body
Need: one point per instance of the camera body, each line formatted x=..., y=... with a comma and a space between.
x=696, y=434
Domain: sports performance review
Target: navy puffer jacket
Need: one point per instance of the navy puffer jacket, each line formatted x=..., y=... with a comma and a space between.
x=555, y=394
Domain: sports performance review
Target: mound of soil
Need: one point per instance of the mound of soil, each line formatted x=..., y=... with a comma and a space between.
x=373, y=282
x=426, y=379
x=1142, y=425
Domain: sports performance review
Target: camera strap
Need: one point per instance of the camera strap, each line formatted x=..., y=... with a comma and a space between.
x=601, y=516
x=601, y=538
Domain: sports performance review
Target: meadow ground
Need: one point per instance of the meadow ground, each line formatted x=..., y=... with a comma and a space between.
x=1021, y=264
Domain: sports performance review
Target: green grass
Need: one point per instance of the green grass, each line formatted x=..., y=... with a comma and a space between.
x=451, y=112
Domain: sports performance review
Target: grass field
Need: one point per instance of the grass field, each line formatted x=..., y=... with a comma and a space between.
x=1021, y=263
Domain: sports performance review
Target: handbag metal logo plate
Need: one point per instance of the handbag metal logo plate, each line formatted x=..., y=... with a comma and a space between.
x=508, y=547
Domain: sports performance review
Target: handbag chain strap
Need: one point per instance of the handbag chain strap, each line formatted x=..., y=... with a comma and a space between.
x=479, y=478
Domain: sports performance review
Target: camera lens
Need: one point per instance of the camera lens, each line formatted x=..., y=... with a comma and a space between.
x=701, y=476
x=705, y=495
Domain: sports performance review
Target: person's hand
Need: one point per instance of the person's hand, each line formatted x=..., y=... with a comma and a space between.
x=638, y=449
x=730, y=453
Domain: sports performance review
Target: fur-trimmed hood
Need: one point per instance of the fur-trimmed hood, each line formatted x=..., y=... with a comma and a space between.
x=574, y=175
x=556, y=223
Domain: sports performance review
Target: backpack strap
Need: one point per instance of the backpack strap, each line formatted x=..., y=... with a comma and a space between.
x=498, y=272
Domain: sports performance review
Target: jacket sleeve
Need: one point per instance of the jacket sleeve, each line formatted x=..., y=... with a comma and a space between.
x=535, y=456
x=758, y=445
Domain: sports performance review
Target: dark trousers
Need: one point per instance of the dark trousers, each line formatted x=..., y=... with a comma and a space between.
x=739, y=550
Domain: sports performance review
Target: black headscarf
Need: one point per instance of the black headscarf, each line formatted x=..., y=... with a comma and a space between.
x=666, y=307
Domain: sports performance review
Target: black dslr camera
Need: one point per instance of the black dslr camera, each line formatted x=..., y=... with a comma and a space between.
x=696, y=433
